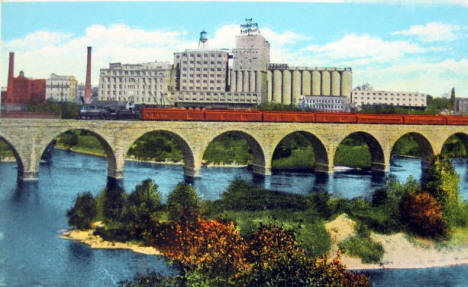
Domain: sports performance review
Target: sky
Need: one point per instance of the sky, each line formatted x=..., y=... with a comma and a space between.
x=393, y=45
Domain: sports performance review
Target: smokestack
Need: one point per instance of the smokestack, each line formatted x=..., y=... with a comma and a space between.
x=11, y=74
x=88, y=78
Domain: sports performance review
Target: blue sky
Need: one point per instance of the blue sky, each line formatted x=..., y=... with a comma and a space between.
x=409, y=47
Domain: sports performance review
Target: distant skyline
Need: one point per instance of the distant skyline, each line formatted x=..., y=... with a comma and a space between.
x=406, y=47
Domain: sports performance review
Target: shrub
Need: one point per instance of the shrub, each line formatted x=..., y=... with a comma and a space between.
x=212, y=245
x=82, y=214
x=423, y=215
x=183, y=203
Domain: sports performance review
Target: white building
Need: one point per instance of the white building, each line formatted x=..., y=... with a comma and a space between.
x=145, y=83
x=365, y=95
x=61, y=88
x=324, y=103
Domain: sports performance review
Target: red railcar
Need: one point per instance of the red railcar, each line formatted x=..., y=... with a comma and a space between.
x=425, y=119
x=29, y=115
x=457, y=120
x=379, y=119
x=335, y=118
x=233, y=115
x=287, y=116
x=172, y=114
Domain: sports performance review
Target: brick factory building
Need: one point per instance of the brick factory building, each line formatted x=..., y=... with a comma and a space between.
x=22, y=90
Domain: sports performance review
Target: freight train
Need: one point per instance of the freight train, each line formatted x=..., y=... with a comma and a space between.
x=158, y=114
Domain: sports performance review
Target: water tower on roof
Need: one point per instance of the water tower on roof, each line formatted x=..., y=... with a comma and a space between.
x=203, y=39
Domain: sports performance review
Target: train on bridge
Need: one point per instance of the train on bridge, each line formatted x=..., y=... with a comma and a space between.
x=159, y=114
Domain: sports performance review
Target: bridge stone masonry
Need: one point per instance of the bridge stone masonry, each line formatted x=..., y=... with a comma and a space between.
x=29, y=138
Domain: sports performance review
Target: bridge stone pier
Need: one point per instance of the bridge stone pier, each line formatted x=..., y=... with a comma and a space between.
x=29, y=138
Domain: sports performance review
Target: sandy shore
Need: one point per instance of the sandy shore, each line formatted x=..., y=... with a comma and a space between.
x=400, y=251
x=95, y=241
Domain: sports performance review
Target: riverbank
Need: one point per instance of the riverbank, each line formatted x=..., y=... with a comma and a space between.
x=88, y=152
x=401, y=250
x=96, y=242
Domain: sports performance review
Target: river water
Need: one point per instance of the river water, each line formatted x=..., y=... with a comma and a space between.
x=32, y=215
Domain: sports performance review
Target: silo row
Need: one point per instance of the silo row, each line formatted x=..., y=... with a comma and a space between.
x=287, y=86
x=245, y=81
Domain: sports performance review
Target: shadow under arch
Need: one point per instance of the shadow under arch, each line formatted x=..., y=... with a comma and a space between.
x=320, y=153
x=462, y=137
x=375, y=149
x=19, y=160
x=258, y=165
x=111, y=159
x=425, y=147
x=189, y=161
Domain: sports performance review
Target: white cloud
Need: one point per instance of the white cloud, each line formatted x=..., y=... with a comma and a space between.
x=366, y=49
x=435, y=78
x=431, y=32
x=43, y=52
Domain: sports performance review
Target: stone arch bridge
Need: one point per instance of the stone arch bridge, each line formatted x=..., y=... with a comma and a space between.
x=29, y=138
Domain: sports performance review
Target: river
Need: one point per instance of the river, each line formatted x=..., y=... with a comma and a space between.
x=33, y=214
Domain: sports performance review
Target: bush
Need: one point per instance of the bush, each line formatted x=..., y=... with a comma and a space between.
x=213, y=245
x=183, y=203
x=82, y=214
x=423, y=215
x=363, y=247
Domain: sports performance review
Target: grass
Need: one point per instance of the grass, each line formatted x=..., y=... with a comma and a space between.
x=361, y=245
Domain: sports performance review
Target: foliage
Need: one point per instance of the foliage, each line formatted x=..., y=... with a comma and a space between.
x=143, y=208
x=114, y=201
x=65, y=110
x=441, y=181
x=213, y=245
x=227, y=149
x=452, y=99
x=454, y=147
x=84, y=211
x=361, y=245
x=407, y=146
x=325, y=273
x=5, y=150
x=153, y=279
x=353, y=151
x=423, y=215
x=241, y=195
x=183, y=204
x=69, y=139
x=277, y=107
x=156, y=146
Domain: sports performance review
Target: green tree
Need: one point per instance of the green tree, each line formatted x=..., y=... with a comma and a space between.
x=82, y=214
x=114, y=202
x=183, y=203
x=452, y=99
x=441, y=180
x=144, y=206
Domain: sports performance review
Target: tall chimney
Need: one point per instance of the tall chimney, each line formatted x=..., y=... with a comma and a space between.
x=11, y=74
x=88, y=78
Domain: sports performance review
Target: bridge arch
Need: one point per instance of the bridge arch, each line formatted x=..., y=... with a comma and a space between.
x=425, y=146
x=260, y=165
x=378, y=159
x=320, y=152
x=190, y=167
x=19, y=159
x=110, y=154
